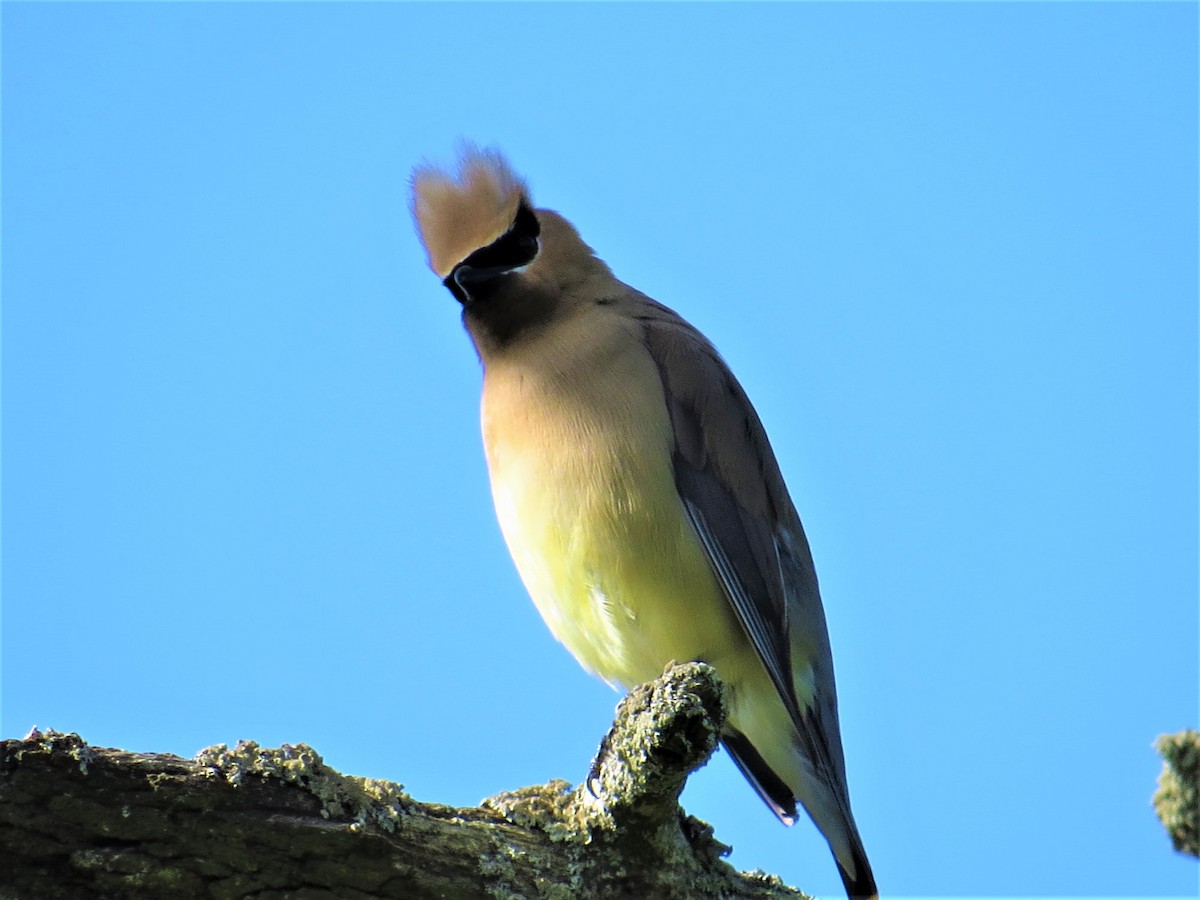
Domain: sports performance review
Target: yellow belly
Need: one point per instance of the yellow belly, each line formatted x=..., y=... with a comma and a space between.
x=585, y=495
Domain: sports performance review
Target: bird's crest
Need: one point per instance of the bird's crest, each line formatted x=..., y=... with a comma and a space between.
x=456, y=214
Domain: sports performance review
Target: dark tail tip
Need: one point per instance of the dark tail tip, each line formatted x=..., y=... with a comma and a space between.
x=770, y=786
x=860, y=885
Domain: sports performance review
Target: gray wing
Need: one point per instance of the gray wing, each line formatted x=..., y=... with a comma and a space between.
x=734, y=494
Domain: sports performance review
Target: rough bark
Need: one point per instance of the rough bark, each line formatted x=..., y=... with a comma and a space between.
x=79, y=821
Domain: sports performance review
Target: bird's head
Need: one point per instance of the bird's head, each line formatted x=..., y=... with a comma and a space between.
x=507, y=262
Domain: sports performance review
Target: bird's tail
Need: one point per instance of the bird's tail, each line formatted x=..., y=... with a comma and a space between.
x=856, y=870
x=860, y=885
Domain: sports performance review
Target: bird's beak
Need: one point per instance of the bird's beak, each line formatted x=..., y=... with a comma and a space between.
x=464, y=278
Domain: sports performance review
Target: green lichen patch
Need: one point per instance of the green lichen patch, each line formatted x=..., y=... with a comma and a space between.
x=1177, y=800
x=51, y=742
x=546, y=807
x=360, y=801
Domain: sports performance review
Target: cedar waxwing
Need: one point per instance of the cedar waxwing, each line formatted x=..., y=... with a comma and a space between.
x=636, y=489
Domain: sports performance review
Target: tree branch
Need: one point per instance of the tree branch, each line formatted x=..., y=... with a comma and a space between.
x=79, y=821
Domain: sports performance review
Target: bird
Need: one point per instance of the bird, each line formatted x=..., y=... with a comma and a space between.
x=636, y=489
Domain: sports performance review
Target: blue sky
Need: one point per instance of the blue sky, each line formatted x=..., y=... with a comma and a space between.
x=949, y=249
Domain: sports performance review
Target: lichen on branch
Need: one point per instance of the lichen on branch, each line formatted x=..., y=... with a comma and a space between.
x=78, y=821
x=1177, y=800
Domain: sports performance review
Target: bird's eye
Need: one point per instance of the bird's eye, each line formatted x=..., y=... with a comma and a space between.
x=515, y=248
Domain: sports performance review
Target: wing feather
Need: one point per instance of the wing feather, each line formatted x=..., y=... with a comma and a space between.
x=732, y=489
x=729, y=484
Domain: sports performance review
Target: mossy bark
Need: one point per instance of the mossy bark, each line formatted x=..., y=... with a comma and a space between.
x=1177, y=800
x=79, y=821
